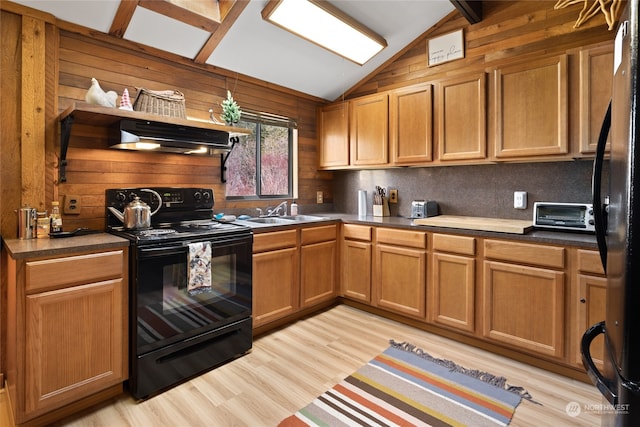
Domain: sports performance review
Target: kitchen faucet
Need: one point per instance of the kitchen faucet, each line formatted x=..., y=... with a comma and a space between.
x=276, y=211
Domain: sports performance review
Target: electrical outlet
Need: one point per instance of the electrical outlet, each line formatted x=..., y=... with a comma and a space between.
x=71, y=205
x=319, y=197
x=393, y=195
x=520, y=200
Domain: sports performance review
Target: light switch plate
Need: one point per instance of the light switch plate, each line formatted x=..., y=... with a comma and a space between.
x=319, y=198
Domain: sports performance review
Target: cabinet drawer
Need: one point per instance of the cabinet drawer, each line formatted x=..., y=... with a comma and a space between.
x=357, y=232
x=589, y=262
x=73, y=270
x=413, y=239
x=274, y=240
x=318, y=234
x=455, y=244
x=546, y=256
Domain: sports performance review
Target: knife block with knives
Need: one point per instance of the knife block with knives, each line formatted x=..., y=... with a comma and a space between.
x=380, y=203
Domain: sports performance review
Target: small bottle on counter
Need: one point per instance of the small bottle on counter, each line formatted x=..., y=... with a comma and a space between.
x=42, y=225
x=56, y=219
x=294, y=208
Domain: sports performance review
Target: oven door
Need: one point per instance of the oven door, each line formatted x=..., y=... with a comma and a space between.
x=166, y=311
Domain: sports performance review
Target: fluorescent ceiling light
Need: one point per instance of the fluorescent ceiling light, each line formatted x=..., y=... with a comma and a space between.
x=323, y=24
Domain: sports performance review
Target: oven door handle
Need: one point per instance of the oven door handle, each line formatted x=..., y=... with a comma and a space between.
x=163, y=251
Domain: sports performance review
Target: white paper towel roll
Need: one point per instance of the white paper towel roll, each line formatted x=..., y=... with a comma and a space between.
x=362, y=203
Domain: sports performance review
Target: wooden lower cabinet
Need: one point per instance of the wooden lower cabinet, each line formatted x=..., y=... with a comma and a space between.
x=589, y=304
x=400, y=271
x=524, y=305
x=356, y=262
x=451, y=288
x=67, y=333
x=318, y=257
x=275, y=276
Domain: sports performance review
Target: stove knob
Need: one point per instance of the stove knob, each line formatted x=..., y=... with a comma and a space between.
x=206, y=196
x=132, y=196
x=197, y=195
x=121, y=197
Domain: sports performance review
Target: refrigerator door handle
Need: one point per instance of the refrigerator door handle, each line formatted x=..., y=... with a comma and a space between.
x=596, y=377
x=599, y=209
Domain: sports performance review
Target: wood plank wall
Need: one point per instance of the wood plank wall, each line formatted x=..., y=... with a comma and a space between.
x=92, y=169
x=509, y=29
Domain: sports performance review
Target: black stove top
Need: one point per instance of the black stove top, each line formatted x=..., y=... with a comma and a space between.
x=184, y=214
x=183, y=231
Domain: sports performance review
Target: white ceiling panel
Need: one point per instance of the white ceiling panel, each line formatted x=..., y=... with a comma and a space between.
x=153, y=29
x=272, y=54
x=95, y=14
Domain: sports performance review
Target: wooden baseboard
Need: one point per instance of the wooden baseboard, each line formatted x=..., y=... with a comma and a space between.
x=539, y=362
x=71, y=409
x=276, y=324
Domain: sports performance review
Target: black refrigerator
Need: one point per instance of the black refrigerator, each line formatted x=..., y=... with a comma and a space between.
x=617, y=216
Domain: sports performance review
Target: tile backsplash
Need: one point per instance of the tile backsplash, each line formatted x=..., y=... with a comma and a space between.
x=478, y=190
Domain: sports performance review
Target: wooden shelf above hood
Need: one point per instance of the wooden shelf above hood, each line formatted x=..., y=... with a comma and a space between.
x=84, y=113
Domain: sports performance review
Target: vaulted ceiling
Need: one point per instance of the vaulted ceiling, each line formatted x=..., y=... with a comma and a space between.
x=231, y=34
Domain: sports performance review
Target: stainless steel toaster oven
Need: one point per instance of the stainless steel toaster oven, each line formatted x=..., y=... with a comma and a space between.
x=564, y=216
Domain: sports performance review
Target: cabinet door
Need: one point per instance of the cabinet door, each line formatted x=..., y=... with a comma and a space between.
x=451, y=292
x=356, y=270
x=524, y=307
x=275, y=285
x=530, y=109
x=318, y=273
x=400, y=279
x=462, y=118
x=596, y=80
x=591, y=310
x=410, y=124
x=333, y=123
x=75, y=343
x=369, y=130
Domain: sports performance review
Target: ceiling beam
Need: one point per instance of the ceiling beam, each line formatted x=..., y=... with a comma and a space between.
x=230, y=16
x=123, y=18
x=470, y=9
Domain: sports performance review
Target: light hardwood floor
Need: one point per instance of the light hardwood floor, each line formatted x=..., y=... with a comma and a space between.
x=288, y=368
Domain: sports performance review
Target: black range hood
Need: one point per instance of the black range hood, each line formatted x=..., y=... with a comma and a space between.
x=131, y=134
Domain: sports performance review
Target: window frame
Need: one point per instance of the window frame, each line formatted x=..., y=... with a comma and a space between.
x=260, y=119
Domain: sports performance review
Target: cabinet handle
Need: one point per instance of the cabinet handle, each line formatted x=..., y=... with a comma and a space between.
x=583, y=300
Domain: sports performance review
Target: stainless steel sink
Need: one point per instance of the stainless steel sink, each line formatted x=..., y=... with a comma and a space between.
x=305, y=218
x=270, y=220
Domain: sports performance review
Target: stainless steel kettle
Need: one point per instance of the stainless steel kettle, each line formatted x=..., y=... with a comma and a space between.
x=137, y=214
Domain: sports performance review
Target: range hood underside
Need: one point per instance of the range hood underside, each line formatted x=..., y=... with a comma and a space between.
x=169, y=138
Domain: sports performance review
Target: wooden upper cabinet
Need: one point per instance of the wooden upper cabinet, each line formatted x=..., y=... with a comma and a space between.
x=411, y=124
x=333, y=123
x=531, y=109
x=462, y=116
x=596, y=80
x=369, y=130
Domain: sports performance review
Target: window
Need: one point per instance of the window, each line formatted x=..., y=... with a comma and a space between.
x=263, y=165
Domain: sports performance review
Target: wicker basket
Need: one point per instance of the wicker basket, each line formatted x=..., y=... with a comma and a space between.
x=163, y=102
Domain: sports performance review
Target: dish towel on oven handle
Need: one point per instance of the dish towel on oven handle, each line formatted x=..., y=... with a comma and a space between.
x=199, y=279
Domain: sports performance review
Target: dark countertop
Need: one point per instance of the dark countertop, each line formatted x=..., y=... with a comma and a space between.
x=577, y=239
x=584, y=240
x=31, y=248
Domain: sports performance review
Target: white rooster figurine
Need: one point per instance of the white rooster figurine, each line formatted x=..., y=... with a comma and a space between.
x=95, y=95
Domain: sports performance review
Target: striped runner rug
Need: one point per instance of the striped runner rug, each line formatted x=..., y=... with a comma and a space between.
x=405, y=386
